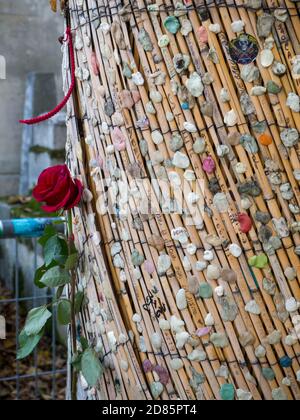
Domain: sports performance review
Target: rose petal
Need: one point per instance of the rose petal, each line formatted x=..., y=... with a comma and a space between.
x=55, y=207
x=59, y=191
x=60, y=205
x=48, y=180
x=76, y=196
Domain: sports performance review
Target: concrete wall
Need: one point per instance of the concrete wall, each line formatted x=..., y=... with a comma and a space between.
x=28, y=42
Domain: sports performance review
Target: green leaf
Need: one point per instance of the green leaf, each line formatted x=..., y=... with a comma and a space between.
x=40, y=272
x=84, y=343
x=28, y=343
x=56, y=277
x=76, y=362
x=61, y=260
x=38, y=275
x=91, y=367
x=36, y=320
x=64, y=312
x=52, y=249
x=71, y=261
x=78, y=301
x=59, y=292
x=73, y=249
x=55, y=249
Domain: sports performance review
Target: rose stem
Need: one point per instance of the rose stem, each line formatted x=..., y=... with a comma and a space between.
x=73, y=319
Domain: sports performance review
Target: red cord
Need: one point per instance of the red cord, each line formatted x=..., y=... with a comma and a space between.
x=67, y=97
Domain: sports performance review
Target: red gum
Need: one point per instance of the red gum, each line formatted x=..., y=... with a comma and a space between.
x=95, y=64
x=245, y=223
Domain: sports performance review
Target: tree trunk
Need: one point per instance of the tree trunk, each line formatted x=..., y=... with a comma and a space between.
x=189, y=297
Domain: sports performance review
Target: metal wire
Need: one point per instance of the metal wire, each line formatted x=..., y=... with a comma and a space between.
x=17, y=293
x=24, y=299
x=30, y=376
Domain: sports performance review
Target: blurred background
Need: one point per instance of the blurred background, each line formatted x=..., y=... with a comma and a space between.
x=30, y=84
x=29, y=34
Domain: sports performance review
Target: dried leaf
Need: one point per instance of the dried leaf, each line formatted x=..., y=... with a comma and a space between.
x=62, y=5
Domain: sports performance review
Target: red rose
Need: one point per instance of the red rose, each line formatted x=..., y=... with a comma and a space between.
x=57, y=189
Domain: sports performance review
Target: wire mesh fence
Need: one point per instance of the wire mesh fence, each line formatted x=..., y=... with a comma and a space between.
x=44, y=373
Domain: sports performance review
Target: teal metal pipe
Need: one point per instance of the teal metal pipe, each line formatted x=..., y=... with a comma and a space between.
x=29, y=228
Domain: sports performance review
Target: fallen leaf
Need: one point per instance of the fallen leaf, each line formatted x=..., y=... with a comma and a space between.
x=62, y=5
x=18, y=199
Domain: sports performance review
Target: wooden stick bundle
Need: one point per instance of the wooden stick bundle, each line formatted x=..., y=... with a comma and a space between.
x=188, y=304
